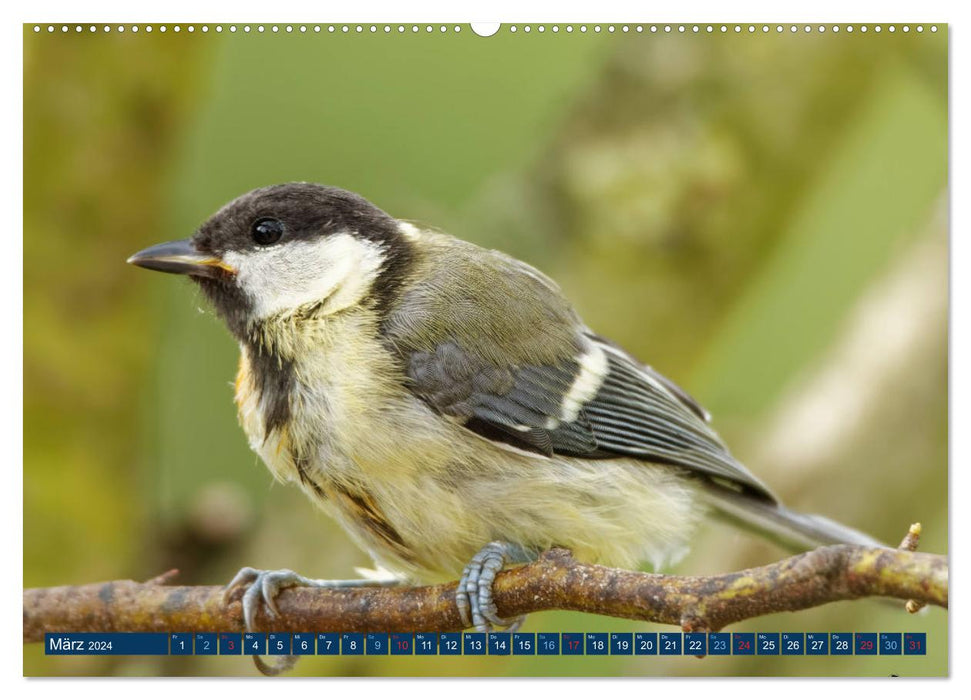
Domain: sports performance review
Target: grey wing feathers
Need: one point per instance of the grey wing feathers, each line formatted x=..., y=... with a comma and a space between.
x=638, y=412
x=634, y=411
x=683, y=396
x=491, y=343
x=517, y=405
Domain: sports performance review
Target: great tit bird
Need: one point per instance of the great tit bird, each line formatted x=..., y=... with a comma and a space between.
x=448, y=407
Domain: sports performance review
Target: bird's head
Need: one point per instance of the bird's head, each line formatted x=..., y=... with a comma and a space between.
x=289, y=250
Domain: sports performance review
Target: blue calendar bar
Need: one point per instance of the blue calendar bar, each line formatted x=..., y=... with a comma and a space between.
x=645, y=643
x=697, y=644
x=890, y=643
x=793, y=643
x=548, y=643
x=426, y=643
x=450, y=644
x=106, y=643
x=621, y=644
x=719, y=643
x=840, y=643
x=303, y=644
x=377, y=644
x=597, y=644
x=230, y=643
x=402, y=643
x=915, y=643
x=180, y=644
x=669, y=643
x=767, y=643
x=571, y=643
x=524, y=643
x=207, y=643
x=278, y=644
x=254, y=643
x=743, y=643
x=328, y=643
x=352, y=644
x=500, y=643
x=817, y=644
x=474, y=644
x=866, y=643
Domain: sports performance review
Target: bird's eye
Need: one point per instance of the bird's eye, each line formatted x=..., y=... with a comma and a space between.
x=267, y=231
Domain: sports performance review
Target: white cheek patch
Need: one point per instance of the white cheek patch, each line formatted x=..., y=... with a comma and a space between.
x=339, y=268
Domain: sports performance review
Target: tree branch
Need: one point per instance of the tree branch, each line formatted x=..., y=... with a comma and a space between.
x=554, y=581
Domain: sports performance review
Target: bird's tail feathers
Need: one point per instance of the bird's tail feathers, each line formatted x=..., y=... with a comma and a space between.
x=794, y=531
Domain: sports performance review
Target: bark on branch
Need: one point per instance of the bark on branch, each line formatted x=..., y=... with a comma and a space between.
x=554, y=581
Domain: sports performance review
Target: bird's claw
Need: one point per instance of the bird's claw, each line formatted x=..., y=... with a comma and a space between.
x=265, y=585
x=262, y=586
x=474, y=597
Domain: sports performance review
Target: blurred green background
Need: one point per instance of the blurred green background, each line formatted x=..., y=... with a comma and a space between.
x=761, y=217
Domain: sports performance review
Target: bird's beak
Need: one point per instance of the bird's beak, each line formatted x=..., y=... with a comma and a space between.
x=180, y=257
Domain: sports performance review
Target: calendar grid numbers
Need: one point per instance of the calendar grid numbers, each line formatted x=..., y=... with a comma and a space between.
x=303, y=643
x=793, y=643
x=230, y=643
x=328, y=643
x=498, y=644
x=743, y=643
x=352, y=644
x=817, y=644
x=524, y=643
x=767, y=643
x=596, y=643
x=402, y=644
x=450, y=644
x=474, y=644
x=669, y=643
x=915, y=643
x=621, y=643
x=840, y=643
x=254, y=643
x=426, y=644
x=548, y=643
x=719, y=644
x=866, y=643
x=890, y=643
x=696, y=643
x=645, y=643
x=279, y=644
x=376, y=644
x=206, y=643
x=571, y=643
x=180, y=644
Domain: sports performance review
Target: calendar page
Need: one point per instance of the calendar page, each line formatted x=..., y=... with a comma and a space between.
x=612, y=349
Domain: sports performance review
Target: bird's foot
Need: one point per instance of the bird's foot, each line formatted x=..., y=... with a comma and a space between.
x=262, y=588
x=474, y=597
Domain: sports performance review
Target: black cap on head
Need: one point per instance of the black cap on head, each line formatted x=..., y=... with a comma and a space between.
x=287, y=246
x=305, y=210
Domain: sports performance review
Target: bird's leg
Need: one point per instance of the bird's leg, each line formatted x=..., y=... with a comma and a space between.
x=473, y=597
x=263, y=586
